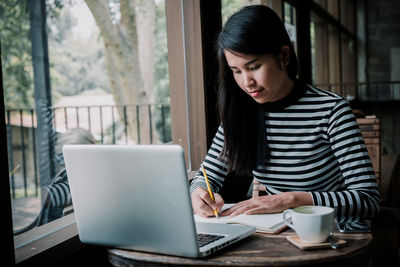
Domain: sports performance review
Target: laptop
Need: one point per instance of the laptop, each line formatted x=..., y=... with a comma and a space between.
x=137, y=197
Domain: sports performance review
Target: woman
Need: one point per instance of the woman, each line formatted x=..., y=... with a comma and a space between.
x=302, y=143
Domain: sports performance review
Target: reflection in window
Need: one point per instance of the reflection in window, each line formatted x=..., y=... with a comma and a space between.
x=19, y=102
x=109, y=85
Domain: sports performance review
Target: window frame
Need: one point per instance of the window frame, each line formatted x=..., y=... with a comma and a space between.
x=185, y=59
x=7, y=253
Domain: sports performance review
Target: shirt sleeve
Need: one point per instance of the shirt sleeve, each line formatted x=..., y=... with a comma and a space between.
x=360, y=195
x=214, y=165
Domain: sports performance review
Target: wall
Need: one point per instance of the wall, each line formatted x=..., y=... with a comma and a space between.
x=383, y=45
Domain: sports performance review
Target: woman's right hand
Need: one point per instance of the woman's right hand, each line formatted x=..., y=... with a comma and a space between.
x=202, y=203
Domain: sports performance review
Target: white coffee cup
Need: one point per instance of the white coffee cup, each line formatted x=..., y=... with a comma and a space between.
x=313, y=224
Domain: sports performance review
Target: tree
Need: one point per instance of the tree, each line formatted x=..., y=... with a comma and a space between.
x=16, y=50
x=137, y=60
x=16, y=54
x=128, y=49
x=76, y=64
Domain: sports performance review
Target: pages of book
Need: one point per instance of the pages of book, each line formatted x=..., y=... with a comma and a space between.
x=265, y=223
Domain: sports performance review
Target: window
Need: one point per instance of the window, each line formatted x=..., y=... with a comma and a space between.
x=290, y=23
x=81, y=90
x=333, y=47
x=228, y=7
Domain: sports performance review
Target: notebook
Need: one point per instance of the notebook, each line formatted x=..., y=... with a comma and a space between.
x=137, y=197
x=264, y=223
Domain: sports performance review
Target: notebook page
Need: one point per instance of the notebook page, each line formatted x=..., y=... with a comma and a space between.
x=263, y=222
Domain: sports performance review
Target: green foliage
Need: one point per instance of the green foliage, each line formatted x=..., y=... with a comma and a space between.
x=16, y=50
x=229, y=7
x=16, y=54
x=76, y=64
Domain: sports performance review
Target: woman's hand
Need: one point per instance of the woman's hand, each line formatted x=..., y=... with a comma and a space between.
x=270, y=204
x=202, y=203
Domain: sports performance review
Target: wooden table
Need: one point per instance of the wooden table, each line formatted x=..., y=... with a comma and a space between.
x=261, y=250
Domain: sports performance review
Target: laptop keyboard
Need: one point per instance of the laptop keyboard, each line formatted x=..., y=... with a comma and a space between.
x=205, y=239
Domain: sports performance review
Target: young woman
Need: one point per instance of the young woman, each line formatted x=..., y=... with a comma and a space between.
x=302, y=143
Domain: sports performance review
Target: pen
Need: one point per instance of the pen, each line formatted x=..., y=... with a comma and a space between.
x=209, y=188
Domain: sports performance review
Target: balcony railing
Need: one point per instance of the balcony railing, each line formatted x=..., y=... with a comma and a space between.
x=108, y=124
x=363, y=91
x=111, y=124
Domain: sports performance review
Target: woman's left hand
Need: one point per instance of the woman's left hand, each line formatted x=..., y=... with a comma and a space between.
x=270, y=204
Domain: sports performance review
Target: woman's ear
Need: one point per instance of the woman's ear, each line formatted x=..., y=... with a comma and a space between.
x=285, y=55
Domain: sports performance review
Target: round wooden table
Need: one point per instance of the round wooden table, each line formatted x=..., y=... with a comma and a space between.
x=261, y=250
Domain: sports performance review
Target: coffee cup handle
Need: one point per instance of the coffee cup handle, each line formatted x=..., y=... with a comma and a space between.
x=285, y=219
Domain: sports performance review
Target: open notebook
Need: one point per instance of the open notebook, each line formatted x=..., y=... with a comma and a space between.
x=264, y=223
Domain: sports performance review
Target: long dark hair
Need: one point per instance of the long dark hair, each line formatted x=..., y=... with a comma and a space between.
x=252, y=30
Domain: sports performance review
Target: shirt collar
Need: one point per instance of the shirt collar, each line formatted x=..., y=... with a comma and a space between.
x=295, y=94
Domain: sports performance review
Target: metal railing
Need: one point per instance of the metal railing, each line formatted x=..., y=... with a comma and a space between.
x=107, y=123
x=110, y=124
x=366, y=91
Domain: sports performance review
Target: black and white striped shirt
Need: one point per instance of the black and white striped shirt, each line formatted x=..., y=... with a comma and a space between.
x=314, y=145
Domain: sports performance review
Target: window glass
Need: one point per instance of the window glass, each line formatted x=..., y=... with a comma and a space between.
x=117, y=74
x=333, y=8
x=228, y=7
x=108, y=84
x=333, y=51
x=290, y=23
x=322, y=3
x=19, y=110
x=319, y=51
x=348, y=69
x=333, y=58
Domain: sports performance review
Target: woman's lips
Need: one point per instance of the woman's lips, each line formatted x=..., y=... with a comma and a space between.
x=255, y=93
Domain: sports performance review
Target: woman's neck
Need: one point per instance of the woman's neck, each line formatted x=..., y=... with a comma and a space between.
x=286, y=88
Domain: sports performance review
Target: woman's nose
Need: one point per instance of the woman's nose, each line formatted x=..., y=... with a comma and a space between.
x=248, y=81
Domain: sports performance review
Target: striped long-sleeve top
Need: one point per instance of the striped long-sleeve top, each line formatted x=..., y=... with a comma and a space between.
x=314, y=145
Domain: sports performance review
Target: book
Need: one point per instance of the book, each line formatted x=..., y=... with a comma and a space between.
x=264, y=223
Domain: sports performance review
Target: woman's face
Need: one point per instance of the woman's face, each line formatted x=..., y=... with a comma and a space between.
x=262, y=77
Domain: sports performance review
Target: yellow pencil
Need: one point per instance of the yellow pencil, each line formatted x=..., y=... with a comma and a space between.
x=209, y=188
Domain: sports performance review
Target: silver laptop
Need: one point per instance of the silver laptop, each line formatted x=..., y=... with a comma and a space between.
x=137, y=197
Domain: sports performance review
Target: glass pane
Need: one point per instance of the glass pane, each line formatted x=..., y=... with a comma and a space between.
x=319, y=52
x=334, y=62
x=228, y=7
x=347, y=15
x=109, y=85
x=322, y=3
x=325, y=56
x=19, y=111
x=104, y=79
x=333, y=8
x=348, y=68
x=290, y=23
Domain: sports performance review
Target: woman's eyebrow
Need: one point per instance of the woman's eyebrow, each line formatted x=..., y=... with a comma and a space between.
x=247, y=63
x=251, y=61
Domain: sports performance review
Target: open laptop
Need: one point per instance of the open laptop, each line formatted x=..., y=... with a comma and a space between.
x=137, y=197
